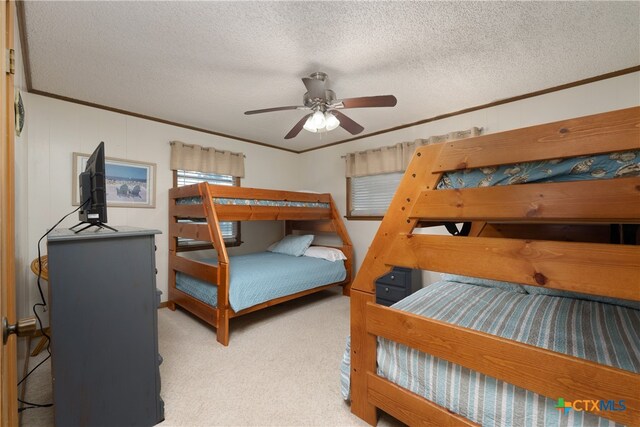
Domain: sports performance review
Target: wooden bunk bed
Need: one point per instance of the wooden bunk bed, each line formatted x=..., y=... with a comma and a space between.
x=304, y=212
x=542, y=235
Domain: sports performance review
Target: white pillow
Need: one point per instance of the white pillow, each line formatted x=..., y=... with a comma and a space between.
x=330, y=254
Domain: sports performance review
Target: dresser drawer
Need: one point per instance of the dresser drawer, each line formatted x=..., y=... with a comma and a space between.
x=395, y=278
x=390, y=292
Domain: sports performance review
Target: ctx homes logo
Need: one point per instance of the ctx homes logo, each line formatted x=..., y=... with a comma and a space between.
x=590, y=405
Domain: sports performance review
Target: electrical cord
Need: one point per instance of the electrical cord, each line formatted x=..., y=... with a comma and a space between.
x=35, y=405
x=43, y=304
x=34, y=368
x=24, y=408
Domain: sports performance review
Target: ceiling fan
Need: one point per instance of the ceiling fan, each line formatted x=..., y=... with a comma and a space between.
x=324, y=106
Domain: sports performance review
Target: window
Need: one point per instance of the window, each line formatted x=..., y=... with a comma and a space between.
x=230, y=229
x=369, y=196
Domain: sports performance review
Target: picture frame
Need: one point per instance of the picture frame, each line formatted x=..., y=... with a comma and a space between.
x=130, y=183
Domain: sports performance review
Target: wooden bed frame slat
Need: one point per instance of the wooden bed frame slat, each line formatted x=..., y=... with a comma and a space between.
x=187, y=211
x=612, y=200
x=410, y=408
x=269, y=213
x=593, y=233
x=280, y=300
x=197, y=269
x=194, y=306
x=185, y=191
x=542, y=371
x=190, y=231
x=599, y=269
x=264, y=194
x=320, y=226
x=605, y=132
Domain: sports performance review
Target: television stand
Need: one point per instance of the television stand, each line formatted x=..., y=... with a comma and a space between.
x=91, y=224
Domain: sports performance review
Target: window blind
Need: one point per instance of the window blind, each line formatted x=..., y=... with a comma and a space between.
x=372, y=194
x=229, y=229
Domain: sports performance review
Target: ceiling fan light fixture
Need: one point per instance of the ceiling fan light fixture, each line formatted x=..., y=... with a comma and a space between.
x=309, y=125
x=331, y=121
x=318, y=120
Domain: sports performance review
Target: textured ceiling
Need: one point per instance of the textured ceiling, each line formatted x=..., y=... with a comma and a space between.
x=204, y=63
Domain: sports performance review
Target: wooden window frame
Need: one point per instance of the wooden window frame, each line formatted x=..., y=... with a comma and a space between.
x=229, y=244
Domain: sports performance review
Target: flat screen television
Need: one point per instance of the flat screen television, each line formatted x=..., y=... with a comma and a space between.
x=93, y=192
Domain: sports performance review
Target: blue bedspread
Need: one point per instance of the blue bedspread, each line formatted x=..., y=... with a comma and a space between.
x=260, y=277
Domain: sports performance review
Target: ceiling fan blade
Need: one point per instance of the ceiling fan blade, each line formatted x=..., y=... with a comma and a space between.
x=369, y=101
x=346, y=123
x=297, y=128
x=268, y=110
x=315, y=87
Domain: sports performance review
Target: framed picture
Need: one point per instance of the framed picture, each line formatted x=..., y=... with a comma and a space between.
x=130, y=184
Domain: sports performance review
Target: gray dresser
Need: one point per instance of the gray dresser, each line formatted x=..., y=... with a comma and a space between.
x=104, y=327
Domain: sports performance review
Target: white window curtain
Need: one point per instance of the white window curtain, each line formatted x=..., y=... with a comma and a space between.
x=191, y=157
x=395, y=158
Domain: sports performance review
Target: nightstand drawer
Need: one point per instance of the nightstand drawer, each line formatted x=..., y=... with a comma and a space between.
x=390, y=292
x=395, y=277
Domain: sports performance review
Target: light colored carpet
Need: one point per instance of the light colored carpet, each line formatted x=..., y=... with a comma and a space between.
x=281, y=369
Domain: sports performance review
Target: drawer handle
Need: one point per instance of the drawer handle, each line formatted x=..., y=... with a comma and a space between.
x=386, y=289
x=393, y=277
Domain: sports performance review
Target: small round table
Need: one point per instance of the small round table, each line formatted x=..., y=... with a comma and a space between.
x=35, y=267
x=44, y=274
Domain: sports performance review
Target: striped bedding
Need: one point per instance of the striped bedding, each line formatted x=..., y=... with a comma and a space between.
x=263, y=276
x=604, y=333
x=253, y=202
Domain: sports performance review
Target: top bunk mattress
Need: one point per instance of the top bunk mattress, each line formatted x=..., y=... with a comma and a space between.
x=195, y=200
x=263, y=276
x=602, y=166
x=604, y=333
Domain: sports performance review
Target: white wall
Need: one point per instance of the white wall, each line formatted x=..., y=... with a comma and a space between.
x=56, y=129
x=324, y=169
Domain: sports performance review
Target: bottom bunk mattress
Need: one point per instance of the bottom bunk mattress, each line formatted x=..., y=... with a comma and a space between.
x=263, y=276
x=604, y=333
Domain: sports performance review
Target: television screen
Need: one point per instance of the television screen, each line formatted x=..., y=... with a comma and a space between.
x=93, y=191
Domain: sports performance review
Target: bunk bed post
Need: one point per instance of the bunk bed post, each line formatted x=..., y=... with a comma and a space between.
x=222, y=331
x=341, y=231
x=173, y=247
x=222, y=328
x=396, y=221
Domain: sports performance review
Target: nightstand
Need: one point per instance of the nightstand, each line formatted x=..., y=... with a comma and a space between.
x=397, y=284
